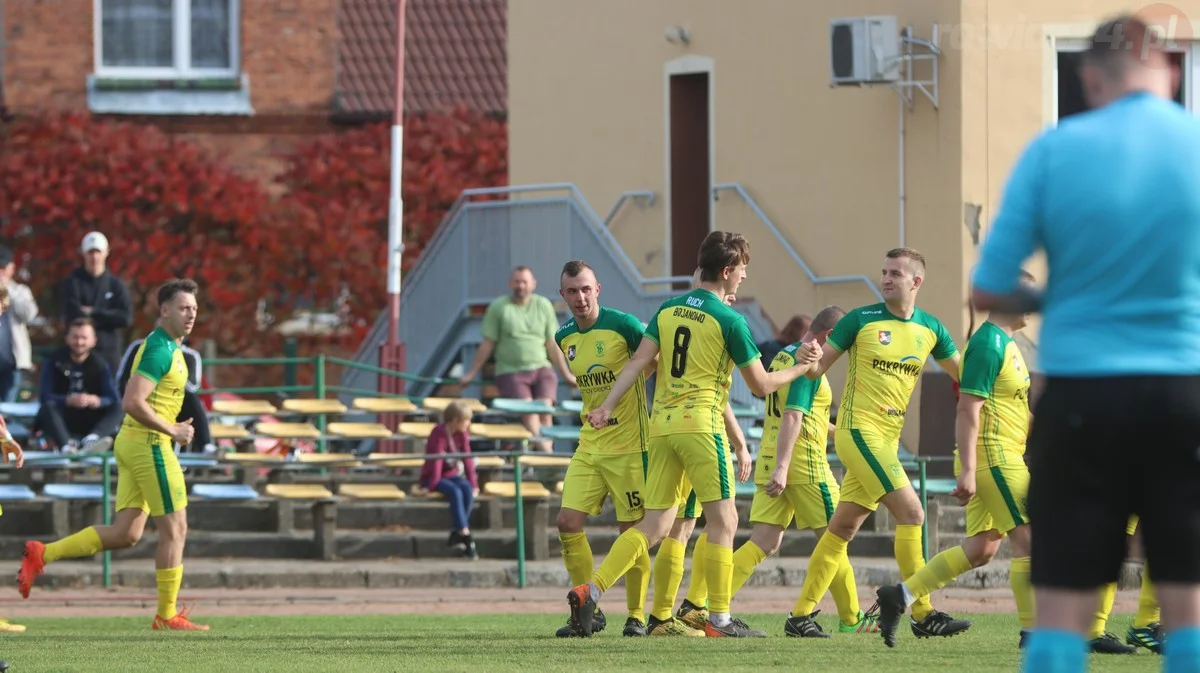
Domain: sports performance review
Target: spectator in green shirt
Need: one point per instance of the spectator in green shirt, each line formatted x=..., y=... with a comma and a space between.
x=519, y=329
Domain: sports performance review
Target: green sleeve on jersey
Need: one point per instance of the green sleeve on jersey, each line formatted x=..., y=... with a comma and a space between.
x=156, y=358
x=981, y=365
x=801, y=393
x=944, y=348
x=631, y=328
x=491, y=320
x=845, y=331
x=651, y=332
x=567, y=329
x=738, y=340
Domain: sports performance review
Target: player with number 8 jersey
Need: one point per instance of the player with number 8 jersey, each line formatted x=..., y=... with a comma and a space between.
x=701, y=339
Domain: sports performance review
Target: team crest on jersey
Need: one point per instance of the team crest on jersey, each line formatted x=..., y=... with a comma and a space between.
x=920, y=342
x=885, y=337
x=571, y=352
x=599, y=349
x=1016, y=363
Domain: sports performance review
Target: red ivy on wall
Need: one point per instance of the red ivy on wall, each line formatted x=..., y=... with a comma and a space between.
x=170, y=209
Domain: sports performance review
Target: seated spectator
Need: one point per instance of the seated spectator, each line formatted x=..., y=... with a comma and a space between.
x=80, y=407
x=452, y=476
x=192, y=407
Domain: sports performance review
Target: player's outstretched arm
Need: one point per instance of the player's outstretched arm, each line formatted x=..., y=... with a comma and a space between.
x=644, y=355
x=763, y=383
x=966, y=437
x=816, y=369
x=950, y=365
x=789, y=432
x=737, y=439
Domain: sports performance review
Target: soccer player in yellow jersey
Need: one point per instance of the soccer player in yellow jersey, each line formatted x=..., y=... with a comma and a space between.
x=887, y=345
x=795, y=481
x=702, y=339
x=993, y=481
x=151, y=481
x=598, y=342
x=10, y=451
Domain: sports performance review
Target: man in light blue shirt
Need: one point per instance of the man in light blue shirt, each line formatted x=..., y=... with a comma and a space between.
x=1113, y=198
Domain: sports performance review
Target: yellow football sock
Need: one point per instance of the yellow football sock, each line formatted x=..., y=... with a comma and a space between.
x=1108, y=593
x=620, y=559
x=910, y=559
x=577, y=556
x=698, y=584
x=719, y=572
x=169, y=580
x=668, y=573
x=940, y=571
x=1148, y=612
x=745, y=560
x=822, y=568
x=84, y=543
x=637, y=580
x=845, y=593
x=1022, y=588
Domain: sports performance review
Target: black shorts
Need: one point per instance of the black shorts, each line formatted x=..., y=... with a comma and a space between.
x=1102, y=449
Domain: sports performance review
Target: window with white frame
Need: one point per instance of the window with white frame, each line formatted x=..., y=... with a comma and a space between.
x=170, y=39
x=1069, y=98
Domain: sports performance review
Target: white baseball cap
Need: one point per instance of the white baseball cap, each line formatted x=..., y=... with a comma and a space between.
x=94, y=241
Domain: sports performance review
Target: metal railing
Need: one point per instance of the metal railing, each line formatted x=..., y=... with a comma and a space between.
x=107, y=459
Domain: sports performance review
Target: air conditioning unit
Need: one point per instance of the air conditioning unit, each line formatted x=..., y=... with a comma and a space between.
x=864, y=50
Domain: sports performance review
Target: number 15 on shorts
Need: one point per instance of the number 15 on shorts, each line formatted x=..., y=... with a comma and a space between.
x=634, y=498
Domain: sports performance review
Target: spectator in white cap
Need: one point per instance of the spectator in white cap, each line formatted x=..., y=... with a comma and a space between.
x=16, y=353
x=93, y=292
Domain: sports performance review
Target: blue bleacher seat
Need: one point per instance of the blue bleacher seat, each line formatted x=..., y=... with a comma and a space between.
x=573, y=406
x=561, y=432
x=195, y=461
x=75, y=491
x=747, y=487
x=513, y=406
x=16, y=492
x=45, y=459
x=940, y=486
x=225, y=491
x=755, y=433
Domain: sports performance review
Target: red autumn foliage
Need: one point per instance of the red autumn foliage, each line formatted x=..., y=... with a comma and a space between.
x=171, y=209
x=167, y=208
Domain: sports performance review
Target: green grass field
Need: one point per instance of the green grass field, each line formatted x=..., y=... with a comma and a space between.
x=493, y=643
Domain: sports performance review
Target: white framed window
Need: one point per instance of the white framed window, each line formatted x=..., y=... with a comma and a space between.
x=166, y=39
x=1067, y=90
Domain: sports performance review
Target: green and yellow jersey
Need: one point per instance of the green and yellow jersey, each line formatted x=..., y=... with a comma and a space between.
x=992, y=368
x=813, y=398
x=700, y=340
x=596, y=356
x=159, y=359
x=886, y=355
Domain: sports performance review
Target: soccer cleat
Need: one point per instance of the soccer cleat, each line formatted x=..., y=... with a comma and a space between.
x=804, y=626
x=32, y=565
x=583, y=608
x=1149, y=637
x=938, y=623
x=691, y=614
x=670, y=626
x=736, y=628
x=8, y=627
x=599, y=621
x=634, y=628
x=1109, y=644
x=890, y=600
x=867, y=623
x=1022, y=638
x=179, y=622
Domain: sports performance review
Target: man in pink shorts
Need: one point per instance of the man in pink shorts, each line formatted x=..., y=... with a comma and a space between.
x=519, y=329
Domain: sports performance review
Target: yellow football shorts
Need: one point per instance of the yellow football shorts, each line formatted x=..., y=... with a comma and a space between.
x=703, y=461
x=593, y=476
x=872, y=465
x=811, y=505
x=148, y=475
x=1000, y=495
